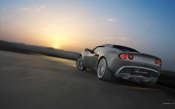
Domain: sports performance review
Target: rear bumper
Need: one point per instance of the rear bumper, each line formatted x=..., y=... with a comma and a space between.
x=116, y=65
x=137, y=70
x=139, y=79
x=138, y=74
x=133, y=70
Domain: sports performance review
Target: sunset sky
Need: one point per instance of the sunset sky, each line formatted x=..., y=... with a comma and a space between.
x=146, y=25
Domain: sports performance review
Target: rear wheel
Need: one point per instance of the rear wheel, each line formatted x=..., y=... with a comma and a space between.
x=79, y=64
x=102, y=71
x=150, y=84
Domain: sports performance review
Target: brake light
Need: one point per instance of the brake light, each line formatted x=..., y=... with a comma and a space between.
x=123, y=56
x=130, y=56
x=158, y=62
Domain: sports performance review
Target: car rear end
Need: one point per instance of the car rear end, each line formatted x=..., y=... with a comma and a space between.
x=136, y=66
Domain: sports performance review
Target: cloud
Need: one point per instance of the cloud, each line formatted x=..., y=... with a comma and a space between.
x=109, y=37
x=25, y=9
x=112, y=19
x=34, y=8
x=39, y=8
x=124, y=38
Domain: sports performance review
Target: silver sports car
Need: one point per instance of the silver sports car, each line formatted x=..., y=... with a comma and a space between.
x=123, y=62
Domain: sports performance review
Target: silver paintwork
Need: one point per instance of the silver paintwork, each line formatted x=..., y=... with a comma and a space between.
x=136, y=67
x=101, y=68
x=79, y=63
x=91, y=58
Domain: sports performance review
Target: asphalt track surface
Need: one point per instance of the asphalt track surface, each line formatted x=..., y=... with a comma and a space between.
x=41, y=82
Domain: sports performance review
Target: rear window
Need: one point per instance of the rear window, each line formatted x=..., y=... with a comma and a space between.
x=125, y=49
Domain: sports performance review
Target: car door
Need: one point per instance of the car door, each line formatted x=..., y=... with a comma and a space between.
x=91, y=58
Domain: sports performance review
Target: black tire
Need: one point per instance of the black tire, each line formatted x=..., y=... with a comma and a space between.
x=103, y=72
x=151, y=84
x=79, y=64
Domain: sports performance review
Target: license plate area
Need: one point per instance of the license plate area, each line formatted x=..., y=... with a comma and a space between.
x=141, y=72
x=142, y=59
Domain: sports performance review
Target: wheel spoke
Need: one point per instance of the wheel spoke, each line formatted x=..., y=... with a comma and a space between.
x=101, y=68
x=80, y=64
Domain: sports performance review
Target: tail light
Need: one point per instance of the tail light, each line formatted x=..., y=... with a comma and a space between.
x=130, y=56
x=125, y=56
x=158, y=62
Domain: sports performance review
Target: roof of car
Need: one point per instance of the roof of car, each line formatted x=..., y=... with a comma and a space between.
x=111, y=45
x=118, y=47
x=108, y=45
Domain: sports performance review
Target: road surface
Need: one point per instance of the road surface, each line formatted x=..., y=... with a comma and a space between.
x=42, y=82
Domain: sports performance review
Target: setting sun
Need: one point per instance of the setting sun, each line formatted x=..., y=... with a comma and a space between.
x=56, y=46
x=73, y=25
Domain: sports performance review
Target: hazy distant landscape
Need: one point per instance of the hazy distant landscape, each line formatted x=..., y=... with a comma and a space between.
x=40, y=41
x=32, y=49
x=166, y=77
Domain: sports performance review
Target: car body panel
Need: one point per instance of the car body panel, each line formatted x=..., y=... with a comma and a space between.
x=141, y=63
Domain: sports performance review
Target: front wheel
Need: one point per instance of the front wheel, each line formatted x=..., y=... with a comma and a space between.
x=79, y=64
x=102, y=71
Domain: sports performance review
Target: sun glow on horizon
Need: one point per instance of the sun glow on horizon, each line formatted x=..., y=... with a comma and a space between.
x=56, y=45
x=73, y=25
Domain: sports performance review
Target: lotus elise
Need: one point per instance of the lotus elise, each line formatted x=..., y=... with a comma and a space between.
x=111, y=61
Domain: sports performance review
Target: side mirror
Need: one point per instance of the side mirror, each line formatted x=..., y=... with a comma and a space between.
x=87, y=49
